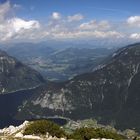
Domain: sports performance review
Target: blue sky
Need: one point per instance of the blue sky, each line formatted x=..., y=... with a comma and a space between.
x=89, y=20
x=108, y=9
x=115, y=10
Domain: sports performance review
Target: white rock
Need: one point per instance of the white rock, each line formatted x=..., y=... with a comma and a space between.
x=62, y=139
x=95, y=139
x=13, y=129
x=106, y=139
x=19, y=135
x=101, y=139
x=50, y=138
x=31, y=137
x=1, y=131
x=10, y=130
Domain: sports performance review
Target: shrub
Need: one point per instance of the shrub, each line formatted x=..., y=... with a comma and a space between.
x=88, y=133
x=41, y=127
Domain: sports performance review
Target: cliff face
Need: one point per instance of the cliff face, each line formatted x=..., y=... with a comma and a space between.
x=110, y=93
x=15, y=76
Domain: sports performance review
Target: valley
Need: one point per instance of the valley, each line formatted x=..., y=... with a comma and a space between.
x=57, y=63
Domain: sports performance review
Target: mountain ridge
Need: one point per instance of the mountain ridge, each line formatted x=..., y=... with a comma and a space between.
x=15, y=76
x=103, y=94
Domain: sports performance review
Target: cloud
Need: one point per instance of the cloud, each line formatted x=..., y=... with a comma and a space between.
x=135, y=36
x=134, y=21
x=60, y=27
x=76, y=17
x=94, y=25
x=88, y=35
x=56, y=15
x=13, y=27
x=4, y=9
x=67, y=28
x=17, y=27
x=20, y=24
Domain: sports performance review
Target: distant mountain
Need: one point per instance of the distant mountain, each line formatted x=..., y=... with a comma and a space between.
x=15, y=76
x=111, y=93
x=17, y=84
x=58, y=63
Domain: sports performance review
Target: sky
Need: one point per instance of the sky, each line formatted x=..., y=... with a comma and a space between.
x=93, y=21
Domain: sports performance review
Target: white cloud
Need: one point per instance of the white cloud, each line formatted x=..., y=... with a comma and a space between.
x=64, y=28
x=4, y=9
x=19, y=28
x=134, y=21
x=13, y=27
x=94, y=25
x=76, y=17
x=20, y=24
x=56, y=15
x=135, y=36
x=88, y=35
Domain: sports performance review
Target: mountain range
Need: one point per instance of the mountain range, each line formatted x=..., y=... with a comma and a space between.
x=108, y=93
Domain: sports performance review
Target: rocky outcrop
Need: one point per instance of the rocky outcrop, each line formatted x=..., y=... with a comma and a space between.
x=12, y=130
x=16, y=132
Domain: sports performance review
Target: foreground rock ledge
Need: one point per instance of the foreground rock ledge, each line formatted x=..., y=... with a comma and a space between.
x=16, y=133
